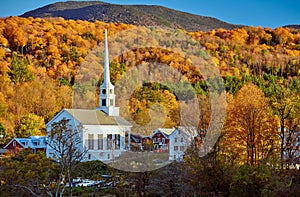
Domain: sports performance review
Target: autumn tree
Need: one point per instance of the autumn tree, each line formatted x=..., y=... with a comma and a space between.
x=15, y=34
x=2, y=135
x=30, y=125
x=291, y=142
x=250, y=130
x=285, y=105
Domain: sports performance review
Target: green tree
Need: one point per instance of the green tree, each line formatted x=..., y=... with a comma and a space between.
x=27, y=174
x=208, y=175
x=250, y=181
x=233, y=84
x=19, y=71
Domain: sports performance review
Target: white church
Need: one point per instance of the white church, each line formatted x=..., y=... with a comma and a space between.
x=102, y=130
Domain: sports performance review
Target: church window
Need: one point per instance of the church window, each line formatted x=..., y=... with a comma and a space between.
x=109, y=142
x=117, y=141
x=91, y=141
x=100, y=141
x=103, y=102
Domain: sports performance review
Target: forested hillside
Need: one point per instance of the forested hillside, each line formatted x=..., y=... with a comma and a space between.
x=40, y=59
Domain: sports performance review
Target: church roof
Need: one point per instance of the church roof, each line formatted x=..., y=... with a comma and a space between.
x=96, y=117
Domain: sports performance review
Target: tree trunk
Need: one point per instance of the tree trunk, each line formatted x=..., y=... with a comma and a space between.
x=282, y=137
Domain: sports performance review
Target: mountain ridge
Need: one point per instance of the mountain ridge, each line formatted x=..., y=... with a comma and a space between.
x=142, y=15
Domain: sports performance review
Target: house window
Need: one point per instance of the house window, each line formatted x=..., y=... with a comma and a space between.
x=89, y=156
x=111, y=103
x=38, y=143
x=163, y=140
x=100, y=141
x=91, y=141
x=108, y=156
x=175, y=139
x=103, y=102
x=175, y=148
x=159, y=139
x=181, y=139
x=14, y=143
x=104, y=91
x=181, y=148
x=110, y=91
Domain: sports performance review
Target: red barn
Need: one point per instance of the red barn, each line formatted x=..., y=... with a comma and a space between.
x=160, y=139
x=35, y=143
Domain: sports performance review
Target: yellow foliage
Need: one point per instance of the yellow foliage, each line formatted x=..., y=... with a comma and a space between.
x=250, y=130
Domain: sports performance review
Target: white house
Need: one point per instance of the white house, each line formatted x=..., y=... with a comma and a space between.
x=102, y=130
x=179, y=140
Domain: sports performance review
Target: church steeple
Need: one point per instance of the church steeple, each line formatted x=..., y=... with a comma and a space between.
x=106, y=61
x=107, y=95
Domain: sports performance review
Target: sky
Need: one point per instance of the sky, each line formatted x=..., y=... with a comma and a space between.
x=265, y=13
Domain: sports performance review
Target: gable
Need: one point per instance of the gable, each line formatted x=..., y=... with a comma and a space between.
x=159, y=135
x=13, y=144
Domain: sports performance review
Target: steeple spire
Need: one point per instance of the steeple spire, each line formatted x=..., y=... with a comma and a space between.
x=106, y=61
x=107, y=96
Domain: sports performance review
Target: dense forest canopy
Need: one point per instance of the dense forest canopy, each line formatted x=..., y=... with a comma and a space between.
x=40, y=59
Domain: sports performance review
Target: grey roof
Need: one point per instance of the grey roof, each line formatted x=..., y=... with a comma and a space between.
x=96, y=117
x=30, y=142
